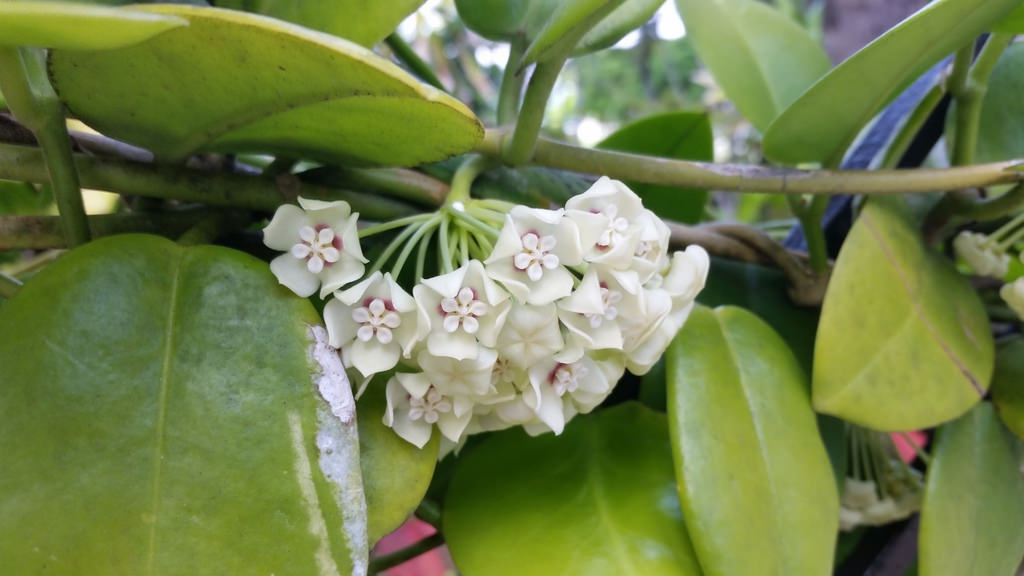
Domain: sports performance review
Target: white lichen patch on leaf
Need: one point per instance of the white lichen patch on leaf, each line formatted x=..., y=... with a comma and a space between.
x=337, y=440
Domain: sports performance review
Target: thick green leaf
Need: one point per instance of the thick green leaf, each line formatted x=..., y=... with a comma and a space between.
x=541, y=23
x=825, y=120
x=1000, y=130
x=597, y=500
x=762, y=290
x=682, y=135
x=75, y=26
x=364, y=22
x=761, y=59
x=755, y=482
x=903, y=342
x=563, y=19
x=1008, y=386
x=237, y=82
x=973, y=500
x=396, y=474
x=1013, y=23
x=160, y=414
x=629, y=16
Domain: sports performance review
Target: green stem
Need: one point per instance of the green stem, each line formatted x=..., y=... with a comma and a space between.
x=30, y=97
x=905, y=137
x=462, y=181
x=399, y=183
x=391, y=225
x=421, y=258
x=393, y=246
x=810, y=216
x=410, y=58
x=444, y=247
x=381, y=563
x=969, y=91
x=511, y=84
x=251, y=192
x=425, y=230
x=45, y=232
x=531, y=115
x=745, y=178
x=8, y=286
x=429, y=512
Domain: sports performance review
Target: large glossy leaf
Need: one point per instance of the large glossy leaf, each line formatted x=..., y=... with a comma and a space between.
x=761, y=58
x=755, y=482
x=824, y=121
x=1000, y=131
x=903, y=342
x=237, y=82
x=75, y=26
x=597, y=500
x=396, y=474
x=169, y=410
x=1008, y=385
x=364, y=22
x=1013, y=23
x=682, y=135
x=973, y=500
x=566, y=17
x=525, y=20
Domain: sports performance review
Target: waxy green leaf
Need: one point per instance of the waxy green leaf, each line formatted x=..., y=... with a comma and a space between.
x=825, y=120
x=237, y=82
x=1000, y=132
x=597, y=500
x=1008, y=385
x=541, y=23
x=973, y=500
x=1013, y=23
x=76, y=26
x=761, y=58
x=755, y=483
x=364, y=22
x=396, y=474
x=903, y=341
x=682, y=135
x=171, y=410
x=566, y=17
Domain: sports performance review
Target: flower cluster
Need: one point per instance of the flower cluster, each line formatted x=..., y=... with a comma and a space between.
x=861, y=504
x=533, y=332
x=988, y=255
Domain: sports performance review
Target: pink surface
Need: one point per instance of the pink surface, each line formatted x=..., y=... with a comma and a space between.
x=906, y=450
x=437, y=562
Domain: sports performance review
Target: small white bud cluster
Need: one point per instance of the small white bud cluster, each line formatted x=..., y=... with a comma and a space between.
x=861, y=505
x=982, y=254
x=539, y=331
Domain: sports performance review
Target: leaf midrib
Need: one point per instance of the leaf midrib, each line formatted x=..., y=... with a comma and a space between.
x=161, y=416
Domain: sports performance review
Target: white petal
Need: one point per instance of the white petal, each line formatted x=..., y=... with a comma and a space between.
x=391, y=319
x=340, y=327
x=294, y=274
x=283, y=229
x=307, y=234
x=326, y=235
x=470, y=325
x=365, y=333
x=384, y=335
x=451, y=323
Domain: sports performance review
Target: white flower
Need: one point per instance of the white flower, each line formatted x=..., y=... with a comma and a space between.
x=651, y=252
x=1013, y=294
x=531, y=334
x=373, y=323
x=591, y=313
x=470, y=377
x=531, y=254
x=564, y=388
x=665, y=309
x=460, y=311
x=981, y=254
x=415, y=407
x=608, y=216
x=321, y=244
